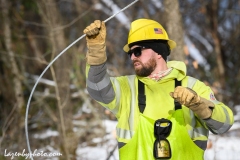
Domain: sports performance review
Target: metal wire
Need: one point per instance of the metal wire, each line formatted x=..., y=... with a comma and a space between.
x=48, y=66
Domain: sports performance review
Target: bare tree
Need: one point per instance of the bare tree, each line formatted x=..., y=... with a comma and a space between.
x=174, y=28
x=17, y=79
x=212, y=15
x=16, y=120
x=61, y=75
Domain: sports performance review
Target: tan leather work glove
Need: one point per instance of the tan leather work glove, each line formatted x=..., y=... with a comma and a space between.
x=96, y=36
x=200, y=106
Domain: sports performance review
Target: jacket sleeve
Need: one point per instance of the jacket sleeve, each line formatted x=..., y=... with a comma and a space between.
x=99, y=85
x=222, y=116
x=110, y=92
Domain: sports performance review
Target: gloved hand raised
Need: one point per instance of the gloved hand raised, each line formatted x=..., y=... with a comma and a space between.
x=96, y=36
x=200, y=106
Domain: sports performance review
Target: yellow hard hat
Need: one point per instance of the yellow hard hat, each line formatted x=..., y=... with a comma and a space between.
x=146, y=29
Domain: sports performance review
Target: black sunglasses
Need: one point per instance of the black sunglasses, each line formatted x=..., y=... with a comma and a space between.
x=137, y=51
x=162, y=148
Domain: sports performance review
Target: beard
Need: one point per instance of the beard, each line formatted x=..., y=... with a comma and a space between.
x=146, y=68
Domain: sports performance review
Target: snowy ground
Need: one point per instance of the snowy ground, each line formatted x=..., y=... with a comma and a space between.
x=224, y=147
x=105, y=151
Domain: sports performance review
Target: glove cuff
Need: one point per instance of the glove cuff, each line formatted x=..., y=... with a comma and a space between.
x=203, y=108
x=96, y=54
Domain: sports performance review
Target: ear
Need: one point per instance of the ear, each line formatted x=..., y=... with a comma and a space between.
x=159, y=56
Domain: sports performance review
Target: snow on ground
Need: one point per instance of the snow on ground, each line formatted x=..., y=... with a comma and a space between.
x=224, y=148
x=103, y=150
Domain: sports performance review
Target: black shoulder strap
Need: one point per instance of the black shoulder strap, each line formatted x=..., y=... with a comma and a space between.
x=177, y=104
x=142, y=96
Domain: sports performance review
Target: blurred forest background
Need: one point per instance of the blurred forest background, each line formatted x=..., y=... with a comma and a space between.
x=33, y=32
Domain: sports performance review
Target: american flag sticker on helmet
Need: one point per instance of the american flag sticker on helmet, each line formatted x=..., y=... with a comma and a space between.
x=158, y=31
x=212, y=97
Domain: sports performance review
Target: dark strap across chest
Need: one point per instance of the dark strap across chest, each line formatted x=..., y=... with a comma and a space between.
x=142, y=96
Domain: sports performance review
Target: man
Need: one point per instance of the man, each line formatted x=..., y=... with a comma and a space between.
x=161, y=112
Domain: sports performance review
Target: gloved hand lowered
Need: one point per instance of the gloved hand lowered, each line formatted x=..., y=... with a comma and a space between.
x=200, y=106
x=96, y=36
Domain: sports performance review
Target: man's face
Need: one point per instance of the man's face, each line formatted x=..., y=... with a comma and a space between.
x=145, y=64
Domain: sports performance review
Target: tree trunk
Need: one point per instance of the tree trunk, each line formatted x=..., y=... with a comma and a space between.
x=217, y=45
x=16, y=78
x=212, y=18
x=61, y=75
x=174, y=28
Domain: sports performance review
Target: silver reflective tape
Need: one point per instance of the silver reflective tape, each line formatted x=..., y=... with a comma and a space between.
x=131, y=81
x=196, y=132
x=224, y=128
x=227, y=116
x=200, y=131
x=226, y=125
x=125, y=134
x=190, y=133
x=100, y=85
x=215, y=101
x=193, y=122
x=191, y=82
x=117, y=94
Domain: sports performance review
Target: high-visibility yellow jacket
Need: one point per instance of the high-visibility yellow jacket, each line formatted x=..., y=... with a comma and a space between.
x=120, y=95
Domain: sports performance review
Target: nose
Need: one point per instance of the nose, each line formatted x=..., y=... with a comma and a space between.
x=133, y=57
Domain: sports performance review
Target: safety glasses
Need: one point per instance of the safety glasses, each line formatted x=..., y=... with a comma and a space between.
x=137, y=51
x=162, y=148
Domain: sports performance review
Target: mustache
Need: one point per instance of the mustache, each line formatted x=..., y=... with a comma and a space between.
x=134, y=61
